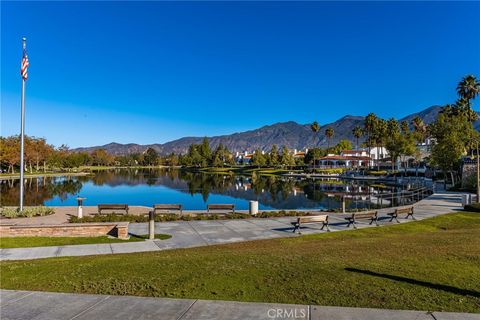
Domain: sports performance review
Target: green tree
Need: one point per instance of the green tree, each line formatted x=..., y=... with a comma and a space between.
x=286, y=159
x=150, y=157
x=342, y=145
x=419, y=129
x=394, y=142
x=329, y=133
x=357, y=133
x=273, y=156
x=205, y=153
x=370, y=125
x=259, y=159
x=451, y=134
x=313, y=154
x=315, y=127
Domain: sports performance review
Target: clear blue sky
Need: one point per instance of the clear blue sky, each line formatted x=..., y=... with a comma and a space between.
x=155, y=71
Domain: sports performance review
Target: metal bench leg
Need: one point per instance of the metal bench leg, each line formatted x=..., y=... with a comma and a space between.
x=391, y=219
x=295, y=227
x=376, y=221
x=325, y=224
x=354, y=224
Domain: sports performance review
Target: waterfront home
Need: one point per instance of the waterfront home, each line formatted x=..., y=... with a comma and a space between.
x=354, y=158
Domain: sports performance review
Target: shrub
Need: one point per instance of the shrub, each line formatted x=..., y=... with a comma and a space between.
x=27, y=212
x=173, y=217
x=331, y=171
x=10, y=212
x=474, y=207
x=377, y=173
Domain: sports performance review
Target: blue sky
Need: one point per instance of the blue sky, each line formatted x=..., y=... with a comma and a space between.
x=151, y=72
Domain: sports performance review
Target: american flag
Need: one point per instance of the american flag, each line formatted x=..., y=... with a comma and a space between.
x=24, y=68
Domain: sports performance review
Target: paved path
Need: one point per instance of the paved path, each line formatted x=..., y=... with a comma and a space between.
x=186, y=234
x=29, y=305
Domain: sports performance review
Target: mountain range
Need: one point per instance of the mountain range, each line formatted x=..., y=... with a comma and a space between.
x=291, y=134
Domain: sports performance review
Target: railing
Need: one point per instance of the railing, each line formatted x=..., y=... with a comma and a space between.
x=391, y=199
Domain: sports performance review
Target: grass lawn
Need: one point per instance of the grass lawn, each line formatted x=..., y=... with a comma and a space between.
x=432, y=264
x=26, y=242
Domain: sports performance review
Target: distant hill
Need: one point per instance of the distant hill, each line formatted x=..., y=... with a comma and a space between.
x=291, y=134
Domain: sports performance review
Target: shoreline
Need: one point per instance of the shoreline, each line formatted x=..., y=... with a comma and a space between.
x=40, y=175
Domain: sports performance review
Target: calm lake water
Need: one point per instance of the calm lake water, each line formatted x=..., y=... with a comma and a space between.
x=194, y=190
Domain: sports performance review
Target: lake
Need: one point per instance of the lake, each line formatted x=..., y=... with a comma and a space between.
x=193, y=190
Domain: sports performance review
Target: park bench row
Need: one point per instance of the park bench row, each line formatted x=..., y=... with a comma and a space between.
x=162, y=208
x=353, y=218
x=227, y=208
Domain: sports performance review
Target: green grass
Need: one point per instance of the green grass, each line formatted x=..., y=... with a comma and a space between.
x=27, y=242
x=432, y=264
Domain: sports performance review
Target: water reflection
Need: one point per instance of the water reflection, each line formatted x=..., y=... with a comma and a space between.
x=193, y=190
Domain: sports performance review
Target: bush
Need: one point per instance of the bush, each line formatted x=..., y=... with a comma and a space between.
x=10, y=212
x=282, y=213
x=377, y=173
x=28, y=212
x=474, y=207
x=173, y=217
x=331, y=171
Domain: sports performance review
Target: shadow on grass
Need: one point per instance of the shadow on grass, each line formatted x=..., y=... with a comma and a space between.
x=463, y=292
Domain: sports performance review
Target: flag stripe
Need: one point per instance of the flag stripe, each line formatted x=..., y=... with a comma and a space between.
x=25, y=64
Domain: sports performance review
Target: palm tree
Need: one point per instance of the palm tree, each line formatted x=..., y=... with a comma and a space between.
x=370, y=125
x=329, y=133
x=357, y=133
x=420, y=129
x=468, y=88
x=315, y=128
x=380, y=134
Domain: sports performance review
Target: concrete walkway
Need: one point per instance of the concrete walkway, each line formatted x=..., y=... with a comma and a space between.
x=26, y=305
x=186, y=234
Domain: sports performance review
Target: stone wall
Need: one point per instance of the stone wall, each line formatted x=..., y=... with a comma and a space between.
x=117, y=229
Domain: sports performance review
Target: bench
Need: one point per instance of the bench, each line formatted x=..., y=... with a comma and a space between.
x=112, y=207
x=310, y=219
x=372, y=215
x=408, y=211
x=167, y=207
x=224, y=207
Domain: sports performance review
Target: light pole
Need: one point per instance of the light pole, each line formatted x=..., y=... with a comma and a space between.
x=478, y=174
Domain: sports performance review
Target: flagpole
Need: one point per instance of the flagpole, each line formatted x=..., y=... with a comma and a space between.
x=22, y=132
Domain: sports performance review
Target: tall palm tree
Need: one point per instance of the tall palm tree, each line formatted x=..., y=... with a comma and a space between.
x=370, y=125
x=315, y=129
x=420, y=129
x=380, y=134
x=468, y=88
x=329, y=133
x=357, y=133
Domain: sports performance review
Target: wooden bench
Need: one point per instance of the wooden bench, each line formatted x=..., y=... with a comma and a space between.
x=167, y=207
x=408, y=211
x=112, y=207
x=310, y=219
x=372, y=215
x=224, y=207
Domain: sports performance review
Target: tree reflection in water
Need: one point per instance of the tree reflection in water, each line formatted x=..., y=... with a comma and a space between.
x=272, y=191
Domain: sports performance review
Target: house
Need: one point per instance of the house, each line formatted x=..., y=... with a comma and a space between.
x=243, y=158
x=299, y=154
x=353, y=158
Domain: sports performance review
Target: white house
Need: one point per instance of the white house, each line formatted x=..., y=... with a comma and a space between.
x=353, y=158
